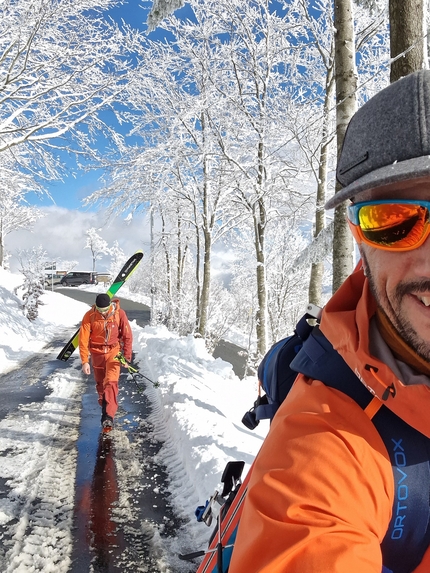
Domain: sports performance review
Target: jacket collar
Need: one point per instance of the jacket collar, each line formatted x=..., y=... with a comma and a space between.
x=345, y=322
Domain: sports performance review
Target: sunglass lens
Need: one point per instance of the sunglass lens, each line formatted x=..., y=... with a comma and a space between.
x=393, y=224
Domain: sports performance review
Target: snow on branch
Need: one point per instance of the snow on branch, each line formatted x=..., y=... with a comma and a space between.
x=318, y=249
x=160, y=9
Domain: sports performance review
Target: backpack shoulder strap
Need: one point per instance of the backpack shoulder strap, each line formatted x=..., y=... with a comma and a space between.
x=93, y=310
x=408, y=534
x=317, y=359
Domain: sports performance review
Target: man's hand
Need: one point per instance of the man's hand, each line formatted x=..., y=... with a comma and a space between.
x=86, y=368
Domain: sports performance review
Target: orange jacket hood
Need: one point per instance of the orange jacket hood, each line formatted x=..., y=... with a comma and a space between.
x=345, y=322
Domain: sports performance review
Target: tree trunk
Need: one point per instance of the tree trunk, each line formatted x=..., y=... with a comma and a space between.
x=169, y=289
x=317, y=269
x=261, y=315
x=260, y=221
x=197, y=274
x=153, y=312
x=407, y=37
x=178, y=310
x=346, y=85
x=206, y=283
x=207, y=235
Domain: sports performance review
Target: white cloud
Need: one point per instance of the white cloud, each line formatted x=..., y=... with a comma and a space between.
x=62, y=235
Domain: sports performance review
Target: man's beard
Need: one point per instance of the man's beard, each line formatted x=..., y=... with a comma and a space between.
x=400, y=322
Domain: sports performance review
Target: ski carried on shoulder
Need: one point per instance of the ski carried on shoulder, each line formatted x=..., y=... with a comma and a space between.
x=123, y=275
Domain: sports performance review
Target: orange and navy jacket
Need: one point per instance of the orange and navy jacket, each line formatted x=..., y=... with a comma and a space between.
x=321, y=491
x=99, y=335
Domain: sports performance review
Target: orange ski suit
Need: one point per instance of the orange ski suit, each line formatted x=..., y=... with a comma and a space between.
x=321, y=490
x=103, y=338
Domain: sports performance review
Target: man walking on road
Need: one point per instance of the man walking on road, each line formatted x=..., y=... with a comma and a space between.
x=105, y=331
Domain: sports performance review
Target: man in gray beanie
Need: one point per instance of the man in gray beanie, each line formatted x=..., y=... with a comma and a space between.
x=105, y=331
x=341, y=483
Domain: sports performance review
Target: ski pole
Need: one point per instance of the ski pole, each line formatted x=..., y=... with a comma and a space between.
x=202, y=553
x=134, y=373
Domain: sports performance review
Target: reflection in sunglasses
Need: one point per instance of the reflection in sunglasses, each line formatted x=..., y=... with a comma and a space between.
x=408, y=232
x=390, y=225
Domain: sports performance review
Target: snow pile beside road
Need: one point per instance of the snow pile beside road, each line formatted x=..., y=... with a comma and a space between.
x=20, y=338
x=197, y=412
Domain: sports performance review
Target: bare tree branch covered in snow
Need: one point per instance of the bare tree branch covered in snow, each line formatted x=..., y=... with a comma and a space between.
x=61, y=63
x=160, y=10
x=317, y=250
x=14, y=212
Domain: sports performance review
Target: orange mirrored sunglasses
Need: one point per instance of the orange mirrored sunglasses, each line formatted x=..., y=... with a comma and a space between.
x=390, y=225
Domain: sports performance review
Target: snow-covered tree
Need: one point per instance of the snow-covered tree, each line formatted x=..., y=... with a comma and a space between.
x=160, y=10
x=32, y=267
x=14, y=212
x=232, y=130
x=61, y=64
x=178, y=168
x=97, y=245
x=13, y=216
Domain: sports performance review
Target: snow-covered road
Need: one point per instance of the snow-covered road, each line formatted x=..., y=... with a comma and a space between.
x=164, y=458
x=37, y=471
x=72, y=500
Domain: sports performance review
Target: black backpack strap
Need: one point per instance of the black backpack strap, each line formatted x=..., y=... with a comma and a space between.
x=317, y=359
x=408, y=535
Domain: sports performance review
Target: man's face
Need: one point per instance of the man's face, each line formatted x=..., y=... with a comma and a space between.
x=400, y=281
x=104, y=312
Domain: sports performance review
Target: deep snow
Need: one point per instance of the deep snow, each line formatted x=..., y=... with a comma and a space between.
x=197, y=411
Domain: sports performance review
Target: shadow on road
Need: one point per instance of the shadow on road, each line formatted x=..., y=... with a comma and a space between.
x=97, y=543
